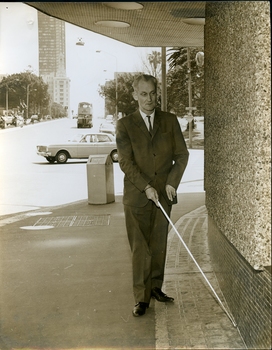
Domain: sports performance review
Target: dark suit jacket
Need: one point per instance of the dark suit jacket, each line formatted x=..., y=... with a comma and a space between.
x=157, y=161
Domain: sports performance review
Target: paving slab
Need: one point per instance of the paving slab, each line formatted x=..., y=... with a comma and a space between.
x=195, y=320
x=66, y=283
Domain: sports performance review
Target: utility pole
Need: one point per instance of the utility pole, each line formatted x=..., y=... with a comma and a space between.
x=116, y=81
x=7, y=93
x=163, y=80
x=189, y=116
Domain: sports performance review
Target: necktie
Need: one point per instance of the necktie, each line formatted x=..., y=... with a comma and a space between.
x=150, y=126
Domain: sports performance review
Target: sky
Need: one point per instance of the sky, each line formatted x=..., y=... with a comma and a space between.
x=85, y=68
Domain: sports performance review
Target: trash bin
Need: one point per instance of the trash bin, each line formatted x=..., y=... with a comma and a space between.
x=100, y=179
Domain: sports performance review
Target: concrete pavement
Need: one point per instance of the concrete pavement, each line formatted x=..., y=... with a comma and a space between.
x=66, y=280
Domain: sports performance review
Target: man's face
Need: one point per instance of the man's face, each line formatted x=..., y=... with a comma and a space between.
x=146, y=96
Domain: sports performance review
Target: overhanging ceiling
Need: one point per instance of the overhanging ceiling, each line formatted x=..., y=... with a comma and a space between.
x=155, y=24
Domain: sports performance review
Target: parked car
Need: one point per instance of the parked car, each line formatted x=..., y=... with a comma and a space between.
x=81, y=146
x=19, y=121
x=2, y=123
x=8, y=120
x=109, y=117
x=35, y=118
x=107, y=128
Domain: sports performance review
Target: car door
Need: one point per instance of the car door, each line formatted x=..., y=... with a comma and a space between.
x=104, y=144
x=86, y=147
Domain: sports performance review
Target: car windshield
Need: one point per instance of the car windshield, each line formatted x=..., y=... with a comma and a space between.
x=76, y=138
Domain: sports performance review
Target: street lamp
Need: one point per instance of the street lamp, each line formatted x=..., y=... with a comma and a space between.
x=80, y=42
x=116, y=81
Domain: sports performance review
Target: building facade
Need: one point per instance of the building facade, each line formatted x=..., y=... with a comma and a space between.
x=237, y=149
x=52, y=59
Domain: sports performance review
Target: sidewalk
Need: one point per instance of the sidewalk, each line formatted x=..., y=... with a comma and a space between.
x=66, y=283
x=199, y=321
x=66, y=279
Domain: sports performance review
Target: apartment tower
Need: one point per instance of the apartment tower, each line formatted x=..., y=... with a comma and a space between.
x=52, y=59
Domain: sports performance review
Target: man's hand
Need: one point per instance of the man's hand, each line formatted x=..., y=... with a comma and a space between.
x=171, y=192
x=152, y=194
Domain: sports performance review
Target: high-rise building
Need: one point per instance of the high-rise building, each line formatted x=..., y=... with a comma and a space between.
x=52, y=59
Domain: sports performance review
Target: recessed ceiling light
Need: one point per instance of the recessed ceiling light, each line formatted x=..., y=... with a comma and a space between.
x=194, y=21
x=112, y=24
x=124, y=5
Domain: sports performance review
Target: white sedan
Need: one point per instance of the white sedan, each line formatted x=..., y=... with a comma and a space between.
x=81, y=146
x=107, y=128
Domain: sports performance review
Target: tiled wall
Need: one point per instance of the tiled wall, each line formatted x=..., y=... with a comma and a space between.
x=237, y=173
x=247, y=292
x=237, y=125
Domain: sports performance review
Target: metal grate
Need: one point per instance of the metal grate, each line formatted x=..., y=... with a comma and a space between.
x=68, y=221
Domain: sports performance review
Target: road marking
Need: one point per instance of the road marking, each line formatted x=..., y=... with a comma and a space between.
x=12, y=219
x=39, y=213
x=36, y=227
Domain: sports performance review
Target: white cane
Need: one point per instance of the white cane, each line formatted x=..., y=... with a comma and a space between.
x=185, y=246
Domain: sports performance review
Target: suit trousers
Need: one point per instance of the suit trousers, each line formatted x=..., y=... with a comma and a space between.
x=147, y=230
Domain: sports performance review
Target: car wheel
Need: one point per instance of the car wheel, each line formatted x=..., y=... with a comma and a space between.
x=62, y=157
x=114, y=156
x=50, y=160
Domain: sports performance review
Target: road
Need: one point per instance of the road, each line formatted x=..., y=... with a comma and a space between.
x=28, y=181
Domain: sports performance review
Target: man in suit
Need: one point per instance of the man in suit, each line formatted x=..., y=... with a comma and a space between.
x=153, y=156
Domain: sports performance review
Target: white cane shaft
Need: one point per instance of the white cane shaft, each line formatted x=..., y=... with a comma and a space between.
x=185, y=246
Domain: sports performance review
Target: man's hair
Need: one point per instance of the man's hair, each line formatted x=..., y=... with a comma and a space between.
x=144, y=77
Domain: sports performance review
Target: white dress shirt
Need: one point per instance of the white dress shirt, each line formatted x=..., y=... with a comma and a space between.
x=146, y=119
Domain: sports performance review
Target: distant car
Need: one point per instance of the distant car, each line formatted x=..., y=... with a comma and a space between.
x=81, y=146
x=2, y=123
x=35, y=118
x=19, y=121
x=107, y=128
x=109, y=117
x=8, y=120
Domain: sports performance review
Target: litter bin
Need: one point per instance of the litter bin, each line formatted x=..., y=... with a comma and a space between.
x=100, y=179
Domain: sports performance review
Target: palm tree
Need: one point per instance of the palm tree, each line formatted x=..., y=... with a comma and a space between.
x=155, y=61
x=178, y=57
x=177, y=80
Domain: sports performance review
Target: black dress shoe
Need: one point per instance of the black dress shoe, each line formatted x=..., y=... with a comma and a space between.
x=139, y=309
x=160, y=296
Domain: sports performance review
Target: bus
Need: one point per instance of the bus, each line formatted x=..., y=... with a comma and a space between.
x=85, y=115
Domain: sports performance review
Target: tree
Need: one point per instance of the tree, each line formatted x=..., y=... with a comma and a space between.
x=152, y=64
x=177, y=91
x=126, y=104
x=108, y=92
x=155, y=61
x=177, y=81
x=25, y=88
x=57, y=110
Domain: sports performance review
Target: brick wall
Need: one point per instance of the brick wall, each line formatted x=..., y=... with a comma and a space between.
x=247, y=292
